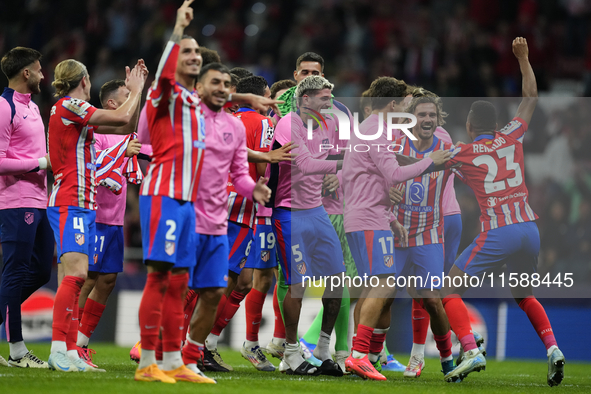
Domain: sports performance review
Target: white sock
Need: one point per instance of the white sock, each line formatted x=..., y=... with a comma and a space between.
x=211, y=342
x=251, y=344
x=549, y=351
x=194, y=342
x=322, y=351
x=73, y=355
x=82, y=340
x=356, y=354
x=373, y=357
x=448, y=358
x=278, y=341
x=17, y=350
x=292, y=355
x=418, y=350
x=148, y=358
x=58, y=347
x=171, y=360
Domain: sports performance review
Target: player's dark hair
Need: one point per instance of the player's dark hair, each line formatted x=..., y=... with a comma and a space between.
x=213, y=66
x=365, y=101
x=482, y=116
x=255, y=85
x=385, y=89
x=234, y=80
x=280, y=85
x=186, y=36
x=241, y=72
x=108, y=89
x=310, y=57
x=18, y=58
x=209, y=56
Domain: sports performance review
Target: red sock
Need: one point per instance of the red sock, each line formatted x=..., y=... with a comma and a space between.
x=443, y=344
x=158, y=352
x=253, y=307
x=192, y=353
x=363, y=339
x=228, y=312
x=190, y=303
x=66, y=301
x=172, y=313
x=279, y=324
x=72, y=336
x=459, y=320
x=420, y=323
x=88, y=323
x=538, y=318
x=376, y=343
x=150, y=312
x=80, y=313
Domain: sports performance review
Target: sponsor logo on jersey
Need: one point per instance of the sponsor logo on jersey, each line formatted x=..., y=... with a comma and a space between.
x=417, y=192
x=389, y=261
x=265, y=255
x=79, y=239
x=29, y=217
x=301, y=268
x=169, y=248
x=492, y=201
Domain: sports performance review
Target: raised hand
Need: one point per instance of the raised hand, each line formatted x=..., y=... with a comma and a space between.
x=520, y=49
x=135, y=80
x=184, y=14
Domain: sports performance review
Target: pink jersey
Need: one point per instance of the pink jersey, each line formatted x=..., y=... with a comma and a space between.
x=493, y=167
x=259, y=134
x=368, y=176
x=421, y=210
x=22, y=143
x=226, y=152
x=300, y=182
x=450, y=202
x=111, y=206
x=72, y=154
x=177, y=134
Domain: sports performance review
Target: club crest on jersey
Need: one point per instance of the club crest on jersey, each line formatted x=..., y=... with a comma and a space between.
x=434, y=175
x=416, y=192
x=169, y=248
x=228, y=138
x=242, y=262
x=79, y=238
x=492, y=201
x=325, y=141
x=301, y=268
x=29, y=217
x=389, y=261
x=265, y=255
x=95, y=259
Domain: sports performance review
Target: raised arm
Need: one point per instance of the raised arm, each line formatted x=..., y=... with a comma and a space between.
x=528, y=85
x=117, y=121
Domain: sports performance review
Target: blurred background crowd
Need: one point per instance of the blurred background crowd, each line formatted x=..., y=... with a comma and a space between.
x=457, y=48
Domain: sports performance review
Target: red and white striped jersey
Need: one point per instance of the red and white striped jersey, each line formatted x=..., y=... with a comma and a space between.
x=177, y=134
x=493, y=166
x=259, y=134
x=72, y=154
x=421, y=212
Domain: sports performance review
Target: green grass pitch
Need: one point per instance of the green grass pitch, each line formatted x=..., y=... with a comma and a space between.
x=499, y=377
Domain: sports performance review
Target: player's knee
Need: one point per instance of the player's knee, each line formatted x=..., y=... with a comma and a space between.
x=243, y=287
x=212, y=296
x=431, y=304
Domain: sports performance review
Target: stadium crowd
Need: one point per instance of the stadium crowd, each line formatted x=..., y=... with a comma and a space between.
x=466, y=55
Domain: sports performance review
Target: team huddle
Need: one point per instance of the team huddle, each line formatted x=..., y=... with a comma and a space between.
x=245, y=183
